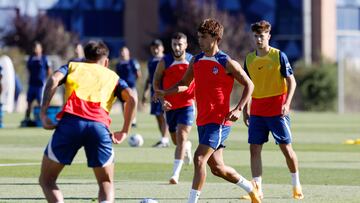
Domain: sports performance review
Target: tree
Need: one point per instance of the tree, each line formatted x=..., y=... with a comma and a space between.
x=188, y=14
x=49, y=32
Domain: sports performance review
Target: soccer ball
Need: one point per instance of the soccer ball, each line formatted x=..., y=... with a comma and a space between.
x=148, y=200
x=136, y=140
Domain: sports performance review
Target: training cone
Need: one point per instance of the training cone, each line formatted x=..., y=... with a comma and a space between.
x=349, y=141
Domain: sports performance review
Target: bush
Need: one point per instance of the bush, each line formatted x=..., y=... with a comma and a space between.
x=317, y=87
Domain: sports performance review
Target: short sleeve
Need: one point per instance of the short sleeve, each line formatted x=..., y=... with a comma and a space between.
x=119, y=88
x=136, y=64
x=285, y=68
x=63, y=69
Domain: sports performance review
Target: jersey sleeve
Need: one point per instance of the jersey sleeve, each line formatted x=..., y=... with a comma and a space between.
x=64, y=70
x=285, y=67
x=136, y=64
x=119, y=88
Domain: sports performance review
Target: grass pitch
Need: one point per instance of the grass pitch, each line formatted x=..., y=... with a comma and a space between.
x=329, y=169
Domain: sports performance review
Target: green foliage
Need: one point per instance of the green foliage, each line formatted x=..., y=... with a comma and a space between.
x=317, y=86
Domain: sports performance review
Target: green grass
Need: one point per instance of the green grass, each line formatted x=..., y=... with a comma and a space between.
x=329, y=169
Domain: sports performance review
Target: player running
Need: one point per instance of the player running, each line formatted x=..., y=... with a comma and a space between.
x=213, y=73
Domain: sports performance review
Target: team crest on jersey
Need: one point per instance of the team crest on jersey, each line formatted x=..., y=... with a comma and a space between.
x=215, y=70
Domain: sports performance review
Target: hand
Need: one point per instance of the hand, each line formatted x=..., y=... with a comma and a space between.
x=285, y=110
x=118, y=137
x=166, y=106
x=233, y=115
x=143, y=100
x=159, y=94
x=46, y=122
x=246, y=118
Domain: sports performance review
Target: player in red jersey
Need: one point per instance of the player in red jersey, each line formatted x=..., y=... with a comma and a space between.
x=213, y=73
x=179, y=107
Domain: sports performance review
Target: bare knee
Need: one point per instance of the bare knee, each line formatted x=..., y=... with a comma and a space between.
x=255, y=150
x=199, y=161
x=217, y=170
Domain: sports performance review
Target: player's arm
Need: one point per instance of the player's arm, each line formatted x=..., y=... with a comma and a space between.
x=246, y=110
x=291, y=86
x=138, y=69
x=182, y=85
x=129, y=98
x=146, y=89
x=287, y=72
x=234, y=68
x=50, y=88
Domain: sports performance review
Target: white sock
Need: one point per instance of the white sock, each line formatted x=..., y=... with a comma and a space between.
x=164, y=140
x=194, y=196
x=177, y=167
x=105, y=201
x=245, y=184
x=295, y=180
x=258, y=181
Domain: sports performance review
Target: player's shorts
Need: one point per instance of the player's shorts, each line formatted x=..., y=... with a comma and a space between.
x=259, y=128
x=213, y=135
x=156, y=108
x=184, y=115
x=34, y=93
x=72, y=133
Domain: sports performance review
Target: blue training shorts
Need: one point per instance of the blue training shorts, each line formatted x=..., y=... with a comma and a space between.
x=259, y=128
x=213, y=135
x=72, y=133
x=156, y=108
x=184, y=115
x=34, y=93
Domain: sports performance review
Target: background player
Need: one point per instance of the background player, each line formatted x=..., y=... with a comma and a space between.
x=157, y=52
x=90, y=91
x=272, y=75
x=214, y=72
x=39, y=69
x=179, y=107
x=128, y=69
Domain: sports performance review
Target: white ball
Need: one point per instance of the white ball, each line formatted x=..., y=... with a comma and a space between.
x=136, y=140
x=148, y=200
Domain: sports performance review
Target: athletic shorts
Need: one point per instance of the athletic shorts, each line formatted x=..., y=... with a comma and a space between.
x=184, y=115
x=259, y=128
x=34, y=93
x=72, y=133
x=213, y=135
x=156, y=108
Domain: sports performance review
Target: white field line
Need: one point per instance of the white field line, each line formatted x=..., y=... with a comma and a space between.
x=32, y=164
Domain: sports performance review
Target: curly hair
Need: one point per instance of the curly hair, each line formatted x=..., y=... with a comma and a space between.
x=212, y=27
x=261, y=26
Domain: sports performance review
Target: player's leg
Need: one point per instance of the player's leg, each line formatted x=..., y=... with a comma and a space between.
x=160, y=119
x=218, y=168
x=100, y=156
x=134, y=123
x=61, y=150
x=30, y=97
x=280, y=128
x=201, y=156
x=105, y=180
x=258, y=135
x=181, y=135
x=50, y=171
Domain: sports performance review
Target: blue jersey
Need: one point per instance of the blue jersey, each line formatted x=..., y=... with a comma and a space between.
x=152, y=64
x=127, y=70
x=38, y=68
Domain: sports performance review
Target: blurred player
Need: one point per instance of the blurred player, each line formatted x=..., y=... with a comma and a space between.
x=179, y=107
x=91, y=89
x=39, y=69
x=79, y=53
x=128, y=69
x=157, y=51
x=272, y=75
x=213, y=73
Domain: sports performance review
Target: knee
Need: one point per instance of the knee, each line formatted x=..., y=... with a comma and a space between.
x=255, y=151
x=199, y=161
x=45, y=182
x=217, y=170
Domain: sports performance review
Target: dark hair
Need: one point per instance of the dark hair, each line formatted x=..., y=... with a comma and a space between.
x=179, y=35
x=95, y=50
x=212, y=27
x=156, y=42
x=261, y=26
